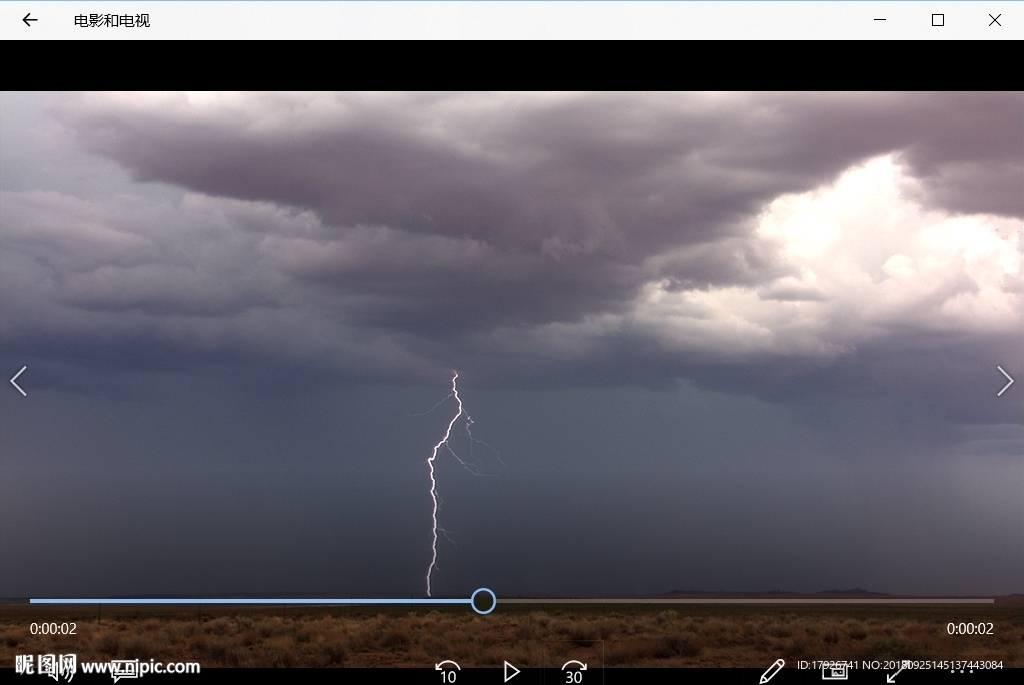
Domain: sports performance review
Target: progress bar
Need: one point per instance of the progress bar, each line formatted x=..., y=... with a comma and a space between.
x=471, y=601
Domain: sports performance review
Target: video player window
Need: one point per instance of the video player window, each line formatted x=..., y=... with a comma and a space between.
x=585, y=388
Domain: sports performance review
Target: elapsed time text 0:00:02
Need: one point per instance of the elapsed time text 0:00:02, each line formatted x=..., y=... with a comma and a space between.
x=53, y=628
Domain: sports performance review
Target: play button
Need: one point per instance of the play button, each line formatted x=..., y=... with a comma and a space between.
x=510, y=671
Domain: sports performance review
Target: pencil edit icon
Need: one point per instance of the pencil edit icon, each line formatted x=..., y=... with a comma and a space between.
x=772, y=670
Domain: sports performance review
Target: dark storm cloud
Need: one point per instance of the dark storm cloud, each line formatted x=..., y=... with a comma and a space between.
x=524, y=235
x=560, y=198
x=605, y=173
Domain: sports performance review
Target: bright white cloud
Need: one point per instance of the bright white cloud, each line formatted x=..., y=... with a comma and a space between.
x=860, y=260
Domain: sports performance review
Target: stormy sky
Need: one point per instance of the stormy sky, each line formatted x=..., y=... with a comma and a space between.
x=738, y=342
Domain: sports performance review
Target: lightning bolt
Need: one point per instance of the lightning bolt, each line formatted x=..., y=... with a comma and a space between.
x=469, y=466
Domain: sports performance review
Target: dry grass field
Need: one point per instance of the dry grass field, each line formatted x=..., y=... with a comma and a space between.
x=704, y=636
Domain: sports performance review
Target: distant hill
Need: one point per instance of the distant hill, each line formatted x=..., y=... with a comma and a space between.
x=853, y=592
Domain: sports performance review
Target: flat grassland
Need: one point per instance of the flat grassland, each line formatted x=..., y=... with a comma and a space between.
x=527, y=636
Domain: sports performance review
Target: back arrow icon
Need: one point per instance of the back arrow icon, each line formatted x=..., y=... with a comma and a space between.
x=27, y=20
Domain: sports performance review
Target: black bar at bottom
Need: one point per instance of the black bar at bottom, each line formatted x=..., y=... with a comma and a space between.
x=592, y=676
